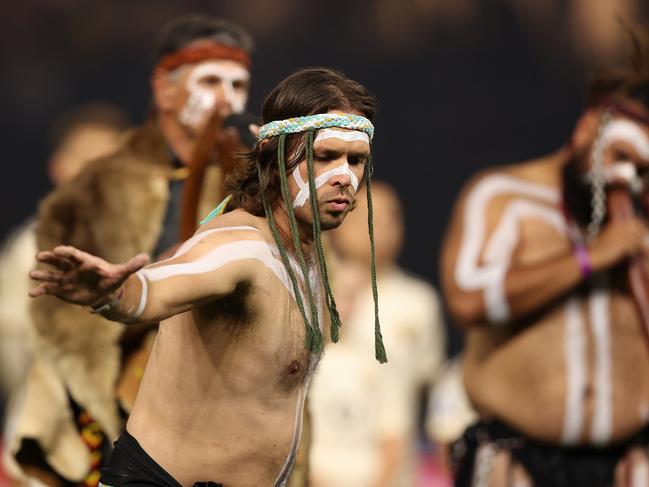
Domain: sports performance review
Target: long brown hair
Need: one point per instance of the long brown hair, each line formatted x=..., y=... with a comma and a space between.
x=306, y=92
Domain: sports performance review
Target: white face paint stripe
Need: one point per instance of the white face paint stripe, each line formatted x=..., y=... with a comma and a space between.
x=599, y=321
x=621, y=130
x=304, y=193
x=189, y=244
x=346, y=135
x=201, y=99
x=575, y=362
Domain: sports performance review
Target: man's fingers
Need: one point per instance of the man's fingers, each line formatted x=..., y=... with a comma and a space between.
x=71, y=253
x=46, y=276
x=135, y=264
x=42, y=289
x=48, y=257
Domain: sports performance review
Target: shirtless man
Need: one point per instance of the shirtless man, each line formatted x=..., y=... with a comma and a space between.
x=556, y=359
x=222, y=395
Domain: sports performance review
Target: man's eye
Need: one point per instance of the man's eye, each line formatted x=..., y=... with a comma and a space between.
x=211, y=80
x=357, y=160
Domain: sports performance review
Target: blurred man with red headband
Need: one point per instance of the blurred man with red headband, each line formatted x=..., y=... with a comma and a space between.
x=545, y=264
x=86, y=369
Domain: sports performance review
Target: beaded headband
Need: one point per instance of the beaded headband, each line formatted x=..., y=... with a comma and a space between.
x=320, y=121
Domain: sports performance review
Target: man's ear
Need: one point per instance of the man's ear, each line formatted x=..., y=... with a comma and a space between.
x=164, y=89
x=586, y=129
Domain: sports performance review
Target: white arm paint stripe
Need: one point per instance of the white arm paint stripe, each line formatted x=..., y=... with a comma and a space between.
x=304, y=192
x=188, y=244
x=626, y=131
x=600, y=326
x=575, y=363
x=144, y=291
x=469, y=274
x=500, y=248
x=342, y=134
x=221, y=256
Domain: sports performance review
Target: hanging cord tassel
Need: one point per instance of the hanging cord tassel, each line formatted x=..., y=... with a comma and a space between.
x=317, y=238
x=315, y=340
x=287, y=264
x=379, y=348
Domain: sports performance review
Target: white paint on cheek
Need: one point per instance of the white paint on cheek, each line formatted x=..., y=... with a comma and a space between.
x=304, y=193
x=201, y=99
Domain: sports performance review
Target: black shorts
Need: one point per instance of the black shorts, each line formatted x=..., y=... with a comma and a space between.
x=548, y=465
x=131, y=466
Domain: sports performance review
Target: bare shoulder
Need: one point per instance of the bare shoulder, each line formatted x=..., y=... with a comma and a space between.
x=536, y=180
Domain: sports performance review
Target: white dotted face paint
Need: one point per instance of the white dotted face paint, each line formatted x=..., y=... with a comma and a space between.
x=201, y=99
x=346, y=135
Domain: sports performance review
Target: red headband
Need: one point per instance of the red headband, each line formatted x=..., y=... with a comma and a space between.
x=203, y=51
x=626, y=109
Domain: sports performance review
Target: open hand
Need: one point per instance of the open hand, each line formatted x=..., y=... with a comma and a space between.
x=79, y=277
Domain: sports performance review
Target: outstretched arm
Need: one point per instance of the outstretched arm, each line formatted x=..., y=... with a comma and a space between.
x=206, y=268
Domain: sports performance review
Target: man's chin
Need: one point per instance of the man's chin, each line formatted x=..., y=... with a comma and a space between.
x=332, y=221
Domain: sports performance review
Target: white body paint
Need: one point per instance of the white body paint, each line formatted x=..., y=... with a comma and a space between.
x=489, y=276
x=575, y=361
x=201, y=100
x=268, y=255
x=598, y=306
x=485, y=270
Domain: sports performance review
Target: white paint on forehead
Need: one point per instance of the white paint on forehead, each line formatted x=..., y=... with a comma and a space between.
x=304, y=193
x=346, y=135
x=623, y=130
x=227, y=72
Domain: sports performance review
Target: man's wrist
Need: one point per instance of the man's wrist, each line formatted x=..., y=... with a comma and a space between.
x=106, y=303
x=583, y=260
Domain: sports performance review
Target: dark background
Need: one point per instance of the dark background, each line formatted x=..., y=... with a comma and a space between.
x=462, y=84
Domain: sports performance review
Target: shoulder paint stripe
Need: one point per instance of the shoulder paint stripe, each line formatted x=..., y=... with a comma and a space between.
x=221, y=256
x=188, y=244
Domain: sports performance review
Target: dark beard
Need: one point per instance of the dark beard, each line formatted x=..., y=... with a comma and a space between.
x=576, y=193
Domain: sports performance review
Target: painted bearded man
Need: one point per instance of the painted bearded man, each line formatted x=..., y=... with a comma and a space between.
x=242, y=303
x=86, y=370
x=544, y=264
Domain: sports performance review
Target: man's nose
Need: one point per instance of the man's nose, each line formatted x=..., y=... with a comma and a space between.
x=343, y=179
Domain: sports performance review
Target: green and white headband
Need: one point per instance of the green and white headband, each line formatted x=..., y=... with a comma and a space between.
x=315, y=122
